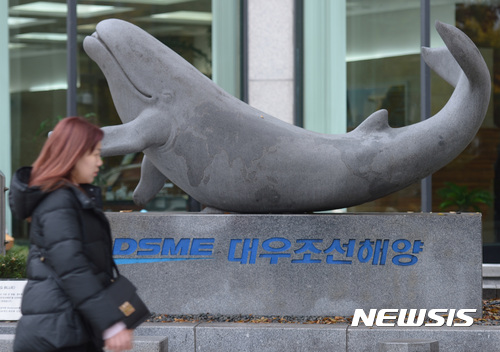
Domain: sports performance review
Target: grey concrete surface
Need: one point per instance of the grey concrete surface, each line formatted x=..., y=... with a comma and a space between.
x=270, y=337
x=408, y=345
x=451, y=339
x=233, y=264
x=141, y=343
x=181, y=336
x=6, y=341
x=150, y=344
x=491, y=281
x=230, y=337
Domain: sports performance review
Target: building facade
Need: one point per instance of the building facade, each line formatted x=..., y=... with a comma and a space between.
x=324, y=65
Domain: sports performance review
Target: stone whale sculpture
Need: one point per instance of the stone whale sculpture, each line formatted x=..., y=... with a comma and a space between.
x=232, y=157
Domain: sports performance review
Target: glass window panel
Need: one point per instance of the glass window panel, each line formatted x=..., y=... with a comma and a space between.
x=184, y=26
x=383, y=62
x=38, y=79
x=473, y=175
x=37, y=55
x=383, y=72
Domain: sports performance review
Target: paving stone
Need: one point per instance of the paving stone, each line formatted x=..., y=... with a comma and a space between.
x=408, y=345
x=230, y=337
x=451, y=339
x=6, y=342
x=181, y=336
x=150, y=344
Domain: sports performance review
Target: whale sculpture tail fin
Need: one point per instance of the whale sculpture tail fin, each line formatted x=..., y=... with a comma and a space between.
x=443, y=63
x=459, y=56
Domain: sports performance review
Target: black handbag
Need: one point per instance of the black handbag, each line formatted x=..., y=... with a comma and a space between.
x=122, y=292
x=124, y=295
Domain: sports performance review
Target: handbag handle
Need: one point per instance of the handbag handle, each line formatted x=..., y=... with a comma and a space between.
x=82, y=224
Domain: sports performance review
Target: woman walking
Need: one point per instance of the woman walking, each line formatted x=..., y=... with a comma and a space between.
x=68, y=303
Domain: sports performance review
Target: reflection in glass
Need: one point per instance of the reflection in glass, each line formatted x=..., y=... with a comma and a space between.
x=38, y=79
x=184, y=26
x=383, y=72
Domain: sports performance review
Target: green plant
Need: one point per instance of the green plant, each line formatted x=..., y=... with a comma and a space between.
x=47, y=125
x=13, y=263
x=460, y=198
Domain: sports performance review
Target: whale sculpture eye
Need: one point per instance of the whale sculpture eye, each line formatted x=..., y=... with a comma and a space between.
x=168, y=97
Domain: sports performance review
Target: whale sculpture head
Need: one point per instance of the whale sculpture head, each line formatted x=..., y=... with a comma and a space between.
x=141, y=71
x=232, y=157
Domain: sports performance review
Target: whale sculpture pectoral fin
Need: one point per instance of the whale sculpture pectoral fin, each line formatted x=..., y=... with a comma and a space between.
x=151, y=182
x=134, y=136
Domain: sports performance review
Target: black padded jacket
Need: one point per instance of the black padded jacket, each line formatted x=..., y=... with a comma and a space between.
x=70, y=264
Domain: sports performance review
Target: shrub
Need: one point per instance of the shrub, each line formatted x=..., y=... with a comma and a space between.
x=460, y=198
x=13, y=263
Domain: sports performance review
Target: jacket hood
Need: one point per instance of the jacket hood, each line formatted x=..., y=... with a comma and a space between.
x=22, y=198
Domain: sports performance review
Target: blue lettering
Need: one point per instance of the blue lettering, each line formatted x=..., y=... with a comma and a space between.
x=248, y=252
x=202, y=246
x=366, y=247
x=406, y=246
x=266, y=245
x=118, y=245
x=150, y=246
x=417, y=246
x=286, y=244
x=169, y=247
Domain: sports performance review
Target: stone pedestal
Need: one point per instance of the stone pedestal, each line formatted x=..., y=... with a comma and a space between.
x=311, y=264
x=410, y=345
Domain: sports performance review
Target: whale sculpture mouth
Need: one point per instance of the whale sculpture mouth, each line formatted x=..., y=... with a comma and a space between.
x=95, y=43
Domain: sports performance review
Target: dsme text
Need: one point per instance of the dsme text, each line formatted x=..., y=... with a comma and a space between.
x=273, y=250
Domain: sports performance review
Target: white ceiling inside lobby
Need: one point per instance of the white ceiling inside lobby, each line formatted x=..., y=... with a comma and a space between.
x=387, y=28
x=37, y=32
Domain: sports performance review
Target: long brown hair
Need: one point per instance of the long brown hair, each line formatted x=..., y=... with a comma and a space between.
x=71, y=139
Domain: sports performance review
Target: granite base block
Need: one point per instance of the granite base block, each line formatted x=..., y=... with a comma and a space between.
x=491, y=293
x=7, y=328
x=229, y=337
x=187, y=337
x=451, y=339
x=181, y=336
x=141, y=344
x=301, y=265
x=6, y=342
x=408, y=345
x=150, y=344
